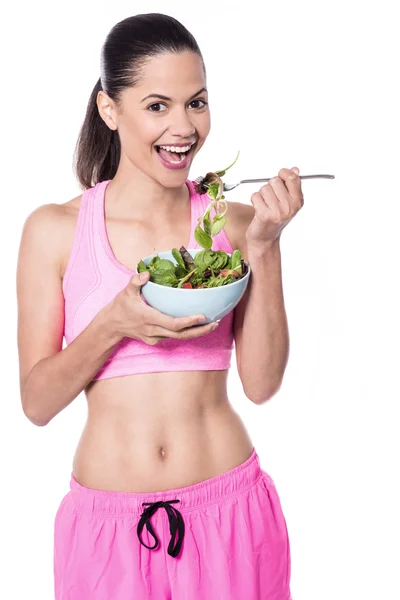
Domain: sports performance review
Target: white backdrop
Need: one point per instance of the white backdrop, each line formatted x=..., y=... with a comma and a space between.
x=307, y=84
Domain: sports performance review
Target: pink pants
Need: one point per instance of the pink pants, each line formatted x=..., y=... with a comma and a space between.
x=222, y=539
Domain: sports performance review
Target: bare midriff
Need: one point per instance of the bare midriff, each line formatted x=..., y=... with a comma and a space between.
x=159, y=431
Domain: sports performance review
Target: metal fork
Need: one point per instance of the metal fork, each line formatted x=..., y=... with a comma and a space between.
x=230, y=186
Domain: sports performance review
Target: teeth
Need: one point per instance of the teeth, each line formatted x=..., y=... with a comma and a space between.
x=176, y=148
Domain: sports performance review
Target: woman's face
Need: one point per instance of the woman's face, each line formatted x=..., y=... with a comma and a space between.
x=168, y=107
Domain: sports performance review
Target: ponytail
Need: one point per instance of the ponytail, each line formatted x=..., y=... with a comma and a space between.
x=98, y=148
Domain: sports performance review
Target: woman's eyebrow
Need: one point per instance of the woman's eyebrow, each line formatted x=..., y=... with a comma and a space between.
x=161, y=97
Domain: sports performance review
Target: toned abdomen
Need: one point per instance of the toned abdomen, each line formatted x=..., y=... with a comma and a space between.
x=159, y=431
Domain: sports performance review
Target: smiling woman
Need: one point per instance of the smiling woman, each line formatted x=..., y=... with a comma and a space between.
x=160, y=133
x=179, y=119
x=157, y=452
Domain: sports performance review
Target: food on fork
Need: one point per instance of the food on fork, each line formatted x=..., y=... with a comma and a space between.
x=208, y=268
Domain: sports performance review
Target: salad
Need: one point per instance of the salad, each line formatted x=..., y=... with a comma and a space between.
x=208, y=268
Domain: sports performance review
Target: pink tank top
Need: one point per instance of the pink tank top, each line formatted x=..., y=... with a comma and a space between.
x=94, y=276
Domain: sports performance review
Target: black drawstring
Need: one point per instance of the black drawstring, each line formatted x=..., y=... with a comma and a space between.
x=176, y=523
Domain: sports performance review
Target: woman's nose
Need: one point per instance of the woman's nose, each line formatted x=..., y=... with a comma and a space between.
x=181, y=124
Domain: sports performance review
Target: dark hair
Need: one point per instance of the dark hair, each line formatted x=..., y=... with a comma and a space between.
x=127, y=47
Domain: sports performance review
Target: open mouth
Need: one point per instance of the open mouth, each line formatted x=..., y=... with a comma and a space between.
x=175, y=155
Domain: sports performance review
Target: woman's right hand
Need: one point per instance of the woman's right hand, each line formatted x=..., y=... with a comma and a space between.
x=129, y=316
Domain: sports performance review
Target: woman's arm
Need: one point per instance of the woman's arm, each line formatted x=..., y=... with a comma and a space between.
x=260, y=323
x=261, y=329
x=50, y=377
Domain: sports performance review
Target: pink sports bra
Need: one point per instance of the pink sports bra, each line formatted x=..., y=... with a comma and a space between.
x=94, y=276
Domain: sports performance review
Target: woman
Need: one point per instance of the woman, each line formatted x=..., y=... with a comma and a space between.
x=167, y=496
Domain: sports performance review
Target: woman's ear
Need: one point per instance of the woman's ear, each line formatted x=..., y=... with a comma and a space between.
x=107, y=110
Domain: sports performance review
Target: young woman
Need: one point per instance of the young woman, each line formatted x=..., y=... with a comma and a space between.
x=167, y=498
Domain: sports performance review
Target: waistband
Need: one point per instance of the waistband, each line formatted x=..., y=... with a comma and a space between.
x=230, y=483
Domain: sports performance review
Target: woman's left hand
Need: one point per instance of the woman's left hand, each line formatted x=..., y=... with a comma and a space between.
x=275, y=204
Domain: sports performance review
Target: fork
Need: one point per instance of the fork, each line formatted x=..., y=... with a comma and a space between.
x=231, y=186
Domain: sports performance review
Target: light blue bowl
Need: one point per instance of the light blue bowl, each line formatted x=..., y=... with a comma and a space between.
x=214, y=303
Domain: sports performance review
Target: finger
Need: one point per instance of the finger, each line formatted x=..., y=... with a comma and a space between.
x=281, y=193
x=292, y=182
x=160, y=319
x=266, y=204
x=261, y=206
x=185, y=333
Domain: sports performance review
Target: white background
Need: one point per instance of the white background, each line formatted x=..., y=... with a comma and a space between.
x=307, y=84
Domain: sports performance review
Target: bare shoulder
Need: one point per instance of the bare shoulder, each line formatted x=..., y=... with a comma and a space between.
x=47, y=232
x=238, y=217
x=52, y=226
x=67, y=222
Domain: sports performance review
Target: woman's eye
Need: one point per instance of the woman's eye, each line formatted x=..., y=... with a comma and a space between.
x=160, y=107
x=203, y=103
x=155, y=107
